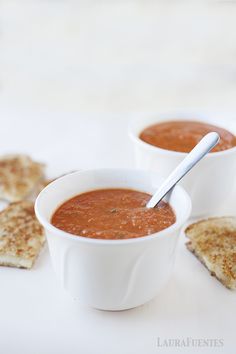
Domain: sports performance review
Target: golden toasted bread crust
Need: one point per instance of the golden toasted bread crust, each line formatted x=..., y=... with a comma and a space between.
x=19, y=175
x=21, y=235
x=213, y=242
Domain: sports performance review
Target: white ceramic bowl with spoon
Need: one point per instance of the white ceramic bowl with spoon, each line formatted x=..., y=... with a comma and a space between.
x=111, y=274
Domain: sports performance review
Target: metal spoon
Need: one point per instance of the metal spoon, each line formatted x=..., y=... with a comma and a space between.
x=195, y=155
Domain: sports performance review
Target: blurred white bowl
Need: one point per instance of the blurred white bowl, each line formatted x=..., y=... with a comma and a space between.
x=211, y=184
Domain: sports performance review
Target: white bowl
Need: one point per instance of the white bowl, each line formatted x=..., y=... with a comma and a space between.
x=111, y=274
x=211, y=184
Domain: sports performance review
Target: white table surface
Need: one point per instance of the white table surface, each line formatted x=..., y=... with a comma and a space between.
x=102, y=56
x=37, y=316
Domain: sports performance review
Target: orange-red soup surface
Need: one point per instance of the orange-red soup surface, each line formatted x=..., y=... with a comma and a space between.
x=112, y=214
x=182, y=136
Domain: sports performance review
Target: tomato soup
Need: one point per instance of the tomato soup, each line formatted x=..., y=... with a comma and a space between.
x=182, y=136
x=112, y=214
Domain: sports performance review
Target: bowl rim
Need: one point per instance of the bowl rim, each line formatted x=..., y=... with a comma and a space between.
x=165, y=118
x=88, y=240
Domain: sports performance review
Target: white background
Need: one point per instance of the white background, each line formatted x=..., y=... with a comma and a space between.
x=118, y=55
x=72, y=74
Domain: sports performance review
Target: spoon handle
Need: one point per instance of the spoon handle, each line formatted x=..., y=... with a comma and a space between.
x=195, y=155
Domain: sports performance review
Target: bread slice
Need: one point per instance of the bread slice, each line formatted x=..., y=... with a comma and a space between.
x=21, y=235
x=213, y=242
x=19, y=176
